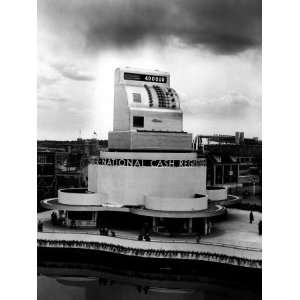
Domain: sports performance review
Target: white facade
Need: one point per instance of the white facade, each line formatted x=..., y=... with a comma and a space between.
x=129, y=184
x=73, y=198
x=148, y=117
x=176, y=204
x=163, y=141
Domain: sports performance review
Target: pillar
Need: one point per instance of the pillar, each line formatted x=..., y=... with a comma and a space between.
x=214, y=178
x=205, y=226
x=67, y=219
x=222, y=174
x=154, y=224
x=230, y=173
x=190, y=229
x=95, y=218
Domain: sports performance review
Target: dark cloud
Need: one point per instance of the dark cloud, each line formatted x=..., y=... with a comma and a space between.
x=224, y=26
x=71, y=72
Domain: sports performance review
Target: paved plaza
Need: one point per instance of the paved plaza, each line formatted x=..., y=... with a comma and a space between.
x=233, y=236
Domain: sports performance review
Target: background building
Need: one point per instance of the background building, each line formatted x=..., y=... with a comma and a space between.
x=46, y=175
x=63, y=164
x=232, y=161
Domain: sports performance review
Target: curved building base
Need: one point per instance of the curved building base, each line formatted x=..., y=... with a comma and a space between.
x=140, y=219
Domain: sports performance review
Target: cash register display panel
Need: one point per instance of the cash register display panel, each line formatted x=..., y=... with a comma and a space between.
x=152, y=91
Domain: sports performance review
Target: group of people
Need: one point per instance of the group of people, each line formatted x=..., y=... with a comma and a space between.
x=56, y=220
x=145, y=233
x=251, y=219
x=145, y=237
x=145, y=289
x=106, y=232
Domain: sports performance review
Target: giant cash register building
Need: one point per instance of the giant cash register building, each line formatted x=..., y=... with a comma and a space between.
x=150, y=173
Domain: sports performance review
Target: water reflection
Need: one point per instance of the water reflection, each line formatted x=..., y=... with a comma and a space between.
x=90, y=282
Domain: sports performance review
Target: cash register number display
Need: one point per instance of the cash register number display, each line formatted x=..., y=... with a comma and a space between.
x=145, y=77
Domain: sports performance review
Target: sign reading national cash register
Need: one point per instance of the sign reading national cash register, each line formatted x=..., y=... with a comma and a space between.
x=150, y=163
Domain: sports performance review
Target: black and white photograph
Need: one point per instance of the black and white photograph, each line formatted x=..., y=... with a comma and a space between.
x=149, y=149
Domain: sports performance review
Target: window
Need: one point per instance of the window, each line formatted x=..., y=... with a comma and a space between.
x=137, y=98
x=138, y=121
x=42, y=159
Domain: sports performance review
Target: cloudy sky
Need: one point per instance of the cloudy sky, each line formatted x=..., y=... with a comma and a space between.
x=212, y=49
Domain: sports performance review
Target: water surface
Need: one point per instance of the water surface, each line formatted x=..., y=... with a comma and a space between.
x=81, y=282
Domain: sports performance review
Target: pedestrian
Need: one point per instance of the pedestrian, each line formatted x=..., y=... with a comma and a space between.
x=147, y=237
x=40, y=226
x=105, y=231
x=260, y=227
x=54, y=218
x=198, y=238
x=146, y=289
x=73, y=225
x=251, y=217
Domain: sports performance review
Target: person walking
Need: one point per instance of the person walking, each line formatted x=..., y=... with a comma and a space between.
x=73, y=224
x=40, y=226
x=260, y=227
x=251, y=217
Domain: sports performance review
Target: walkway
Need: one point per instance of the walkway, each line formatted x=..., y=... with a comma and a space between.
x=232, y=238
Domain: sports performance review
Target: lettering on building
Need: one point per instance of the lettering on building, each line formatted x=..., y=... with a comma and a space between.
x=156, y=163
